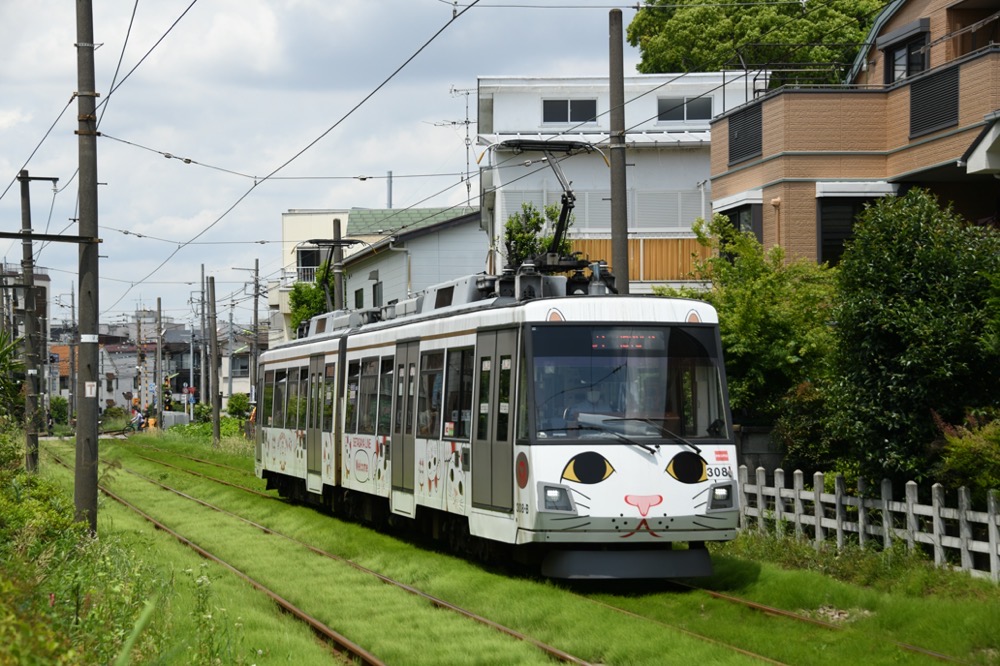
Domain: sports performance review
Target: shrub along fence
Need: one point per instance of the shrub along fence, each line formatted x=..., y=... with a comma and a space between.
x=960, y=537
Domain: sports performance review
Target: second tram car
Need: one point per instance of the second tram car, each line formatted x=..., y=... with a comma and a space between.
x=589, y=433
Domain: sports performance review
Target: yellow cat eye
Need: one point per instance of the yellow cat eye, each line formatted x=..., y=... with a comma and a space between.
x=588, y=467
x=688, y=467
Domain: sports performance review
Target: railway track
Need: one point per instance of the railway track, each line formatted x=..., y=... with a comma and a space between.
x=681, y=627
x=340, y=642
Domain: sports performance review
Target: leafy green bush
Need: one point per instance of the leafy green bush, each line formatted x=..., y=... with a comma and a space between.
x=522, y=234
x=238, y=406
x=774, y=318
x=59, y=409
x=971, y=458
x=913, y=323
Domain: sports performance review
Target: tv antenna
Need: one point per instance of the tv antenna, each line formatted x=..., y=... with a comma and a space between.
x=455, y=92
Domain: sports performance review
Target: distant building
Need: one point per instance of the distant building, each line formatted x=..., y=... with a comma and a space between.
x=401, y=252
x=667, y=140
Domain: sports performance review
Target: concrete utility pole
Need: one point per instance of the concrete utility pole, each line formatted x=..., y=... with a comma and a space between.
x=205, y=386
x=72, y=351
x=338, y=267
x=619, y=205
x=231, y=342
x=85, y=493
x=255, y=348
x=216, y=394
x=158, y=368
x=31, y=363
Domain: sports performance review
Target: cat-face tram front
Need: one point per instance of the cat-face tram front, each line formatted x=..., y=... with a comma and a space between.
x=624, y=445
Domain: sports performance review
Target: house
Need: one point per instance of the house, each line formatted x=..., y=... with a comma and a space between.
x=667, y=118
x=919, y=109
x=392, y=255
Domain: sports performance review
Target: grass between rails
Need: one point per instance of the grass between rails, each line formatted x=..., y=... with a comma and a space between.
x=905, y=597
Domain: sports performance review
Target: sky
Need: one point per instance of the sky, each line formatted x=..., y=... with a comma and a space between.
x=224, y=114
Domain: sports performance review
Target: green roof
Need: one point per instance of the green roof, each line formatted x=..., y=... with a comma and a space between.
x=370, y=222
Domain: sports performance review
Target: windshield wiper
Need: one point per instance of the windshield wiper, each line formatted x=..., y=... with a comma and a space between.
x=665, y=431
x=627, y=440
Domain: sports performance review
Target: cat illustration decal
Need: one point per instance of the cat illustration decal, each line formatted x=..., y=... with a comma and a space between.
x=644, y=504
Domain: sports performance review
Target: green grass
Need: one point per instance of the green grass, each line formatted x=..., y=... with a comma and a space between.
x=879, y=597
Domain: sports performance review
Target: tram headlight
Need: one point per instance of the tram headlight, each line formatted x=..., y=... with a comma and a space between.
x=557, y=498
x=722, y=497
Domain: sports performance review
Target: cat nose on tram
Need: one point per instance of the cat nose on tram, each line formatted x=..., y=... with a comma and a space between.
x=643, y=502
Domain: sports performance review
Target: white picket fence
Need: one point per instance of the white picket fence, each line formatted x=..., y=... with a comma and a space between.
x=958, y=537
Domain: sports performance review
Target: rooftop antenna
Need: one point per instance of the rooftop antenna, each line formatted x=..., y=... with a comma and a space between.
x=455, y=92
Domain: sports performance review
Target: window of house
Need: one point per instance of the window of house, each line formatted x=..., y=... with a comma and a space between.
x=903, y=50
x=748, y=217
x=307, y=261
x=569, y=110
x=240, y=366
x=905, y=59
x=359, y=299
x=836, y=225
x=377, y=295
x=680, y=109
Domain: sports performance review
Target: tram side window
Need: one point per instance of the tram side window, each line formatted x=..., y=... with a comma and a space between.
x=353, y=379
x=458, y=394
x=503, y=399
x=429, y=400
x=400, y=382
x=298, y=395
x=385, y=396
x=280, y=396
x=522, y=400
x=267, y=403
x=483, y=418
x=329, y=386
x=368, y=398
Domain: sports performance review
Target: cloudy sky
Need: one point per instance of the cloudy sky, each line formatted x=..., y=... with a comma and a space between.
x=245, y=89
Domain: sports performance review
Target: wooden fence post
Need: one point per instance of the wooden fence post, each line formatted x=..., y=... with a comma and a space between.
x=761, y=502
x=862, y=512
x=912, y=527
x=964, y=528
x=779, y=503
x=744, y=509
x=818, y=507
x=838, y=499
x=887, y=525
x=993, y=502
x=798, y=487
x=937, y=502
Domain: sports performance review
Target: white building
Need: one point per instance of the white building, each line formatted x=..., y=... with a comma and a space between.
x=401, y=252
x=667, y=155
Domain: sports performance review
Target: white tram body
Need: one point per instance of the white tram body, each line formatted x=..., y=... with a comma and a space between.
x=589, y=432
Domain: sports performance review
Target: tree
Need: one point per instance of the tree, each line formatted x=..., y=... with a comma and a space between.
x=238, y=406
x=774, y=318
x=523, y=236
x=914, y=332
x=307, y=300
x=694, y=36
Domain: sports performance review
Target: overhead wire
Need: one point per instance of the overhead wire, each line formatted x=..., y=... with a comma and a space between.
x=307, y=147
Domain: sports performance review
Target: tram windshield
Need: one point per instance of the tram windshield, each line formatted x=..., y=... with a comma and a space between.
x=637, y=381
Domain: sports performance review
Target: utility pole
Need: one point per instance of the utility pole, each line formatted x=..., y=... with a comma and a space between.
x=619, y=206
x=255, y=348
x=158, y=367
x=338, y=267
x=205, y=385
x=85, y=493
x=214, y=332
x=31, y=363
x=230, y=341
x=72, y=351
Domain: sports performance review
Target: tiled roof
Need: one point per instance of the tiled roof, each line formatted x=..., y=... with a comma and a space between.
x=370, y=222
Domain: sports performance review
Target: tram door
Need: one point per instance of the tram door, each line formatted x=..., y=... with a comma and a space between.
x=402, y=451
x=314, y=425
x=493, y=440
